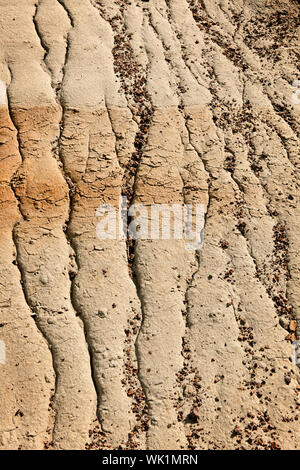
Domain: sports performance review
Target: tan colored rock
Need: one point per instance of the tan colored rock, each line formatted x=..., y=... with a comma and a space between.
x=111, y=343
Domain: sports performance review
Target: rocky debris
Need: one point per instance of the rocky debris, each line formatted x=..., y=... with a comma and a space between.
x=131, y=346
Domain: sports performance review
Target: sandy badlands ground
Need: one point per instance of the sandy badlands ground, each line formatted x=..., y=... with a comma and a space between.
x=110, y=344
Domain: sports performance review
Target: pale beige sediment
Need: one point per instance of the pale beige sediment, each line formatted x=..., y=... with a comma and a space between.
x=27, y=374
x=68, y=135
x=103, y=293
x=43, y=257
x=246, y=297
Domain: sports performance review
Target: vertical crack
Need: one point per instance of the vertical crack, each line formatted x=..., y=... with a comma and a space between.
x=71, y=202
x=188, y=374
x=62, y=3
x=40, y=36
x=133, y=80
x=13, y=182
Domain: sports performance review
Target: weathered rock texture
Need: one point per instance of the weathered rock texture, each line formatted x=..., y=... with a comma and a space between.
x=116, y=345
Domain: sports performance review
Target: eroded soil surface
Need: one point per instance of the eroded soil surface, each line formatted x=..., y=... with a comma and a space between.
x=148, y=345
